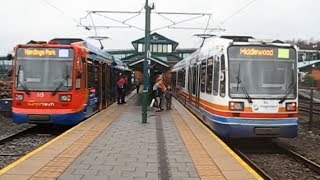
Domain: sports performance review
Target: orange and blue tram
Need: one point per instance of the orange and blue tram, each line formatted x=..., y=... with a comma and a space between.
x=62, y=81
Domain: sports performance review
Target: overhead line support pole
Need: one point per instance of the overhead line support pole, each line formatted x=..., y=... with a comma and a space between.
x=146, y=70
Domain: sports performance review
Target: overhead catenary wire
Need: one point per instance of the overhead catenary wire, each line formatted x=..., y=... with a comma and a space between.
x=133, y=26
x=73, y=19
x=178, y=22
x=237, y=12
x=207, y=24
x=161, y=14
x=62, y=12
x=164, y=15
x=174, y=23
x=95, y=30
x=133, y=15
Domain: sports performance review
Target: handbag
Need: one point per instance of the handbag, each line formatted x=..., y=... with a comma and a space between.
x=152, y=102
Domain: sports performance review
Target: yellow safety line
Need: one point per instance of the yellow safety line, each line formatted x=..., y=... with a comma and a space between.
x=226, y=147
x=23, y=158
x=17, y=162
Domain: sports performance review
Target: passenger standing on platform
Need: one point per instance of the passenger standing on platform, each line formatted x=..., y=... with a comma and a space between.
x=138, y=83
x=161, y=91
x=168, y=96
x=155, y=94
x=121, y=89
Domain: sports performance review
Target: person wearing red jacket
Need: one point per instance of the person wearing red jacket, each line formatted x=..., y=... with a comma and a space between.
x=121, y=90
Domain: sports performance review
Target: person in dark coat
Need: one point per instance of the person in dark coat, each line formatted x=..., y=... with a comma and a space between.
x=168, y=97
x=138, y=83
x=121, y=90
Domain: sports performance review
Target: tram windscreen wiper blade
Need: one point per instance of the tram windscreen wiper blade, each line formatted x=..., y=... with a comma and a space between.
x=24, y=87
x=287, y=92
x=60, y=85
x=244, y=90
x=238, y=78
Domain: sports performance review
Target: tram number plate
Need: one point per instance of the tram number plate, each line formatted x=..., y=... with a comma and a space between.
x=267, y=131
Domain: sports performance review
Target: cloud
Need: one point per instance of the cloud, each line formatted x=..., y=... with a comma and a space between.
x=269, y=19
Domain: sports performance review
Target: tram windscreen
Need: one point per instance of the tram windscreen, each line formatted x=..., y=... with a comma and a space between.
x=44, y=69
x=263, y=71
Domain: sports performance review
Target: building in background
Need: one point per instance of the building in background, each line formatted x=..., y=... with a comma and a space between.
x=164, y=54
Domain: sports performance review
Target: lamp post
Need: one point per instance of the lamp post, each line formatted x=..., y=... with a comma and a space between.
x=146, y=69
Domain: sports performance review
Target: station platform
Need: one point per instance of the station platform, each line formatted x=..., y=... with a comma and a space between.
x=114, y=144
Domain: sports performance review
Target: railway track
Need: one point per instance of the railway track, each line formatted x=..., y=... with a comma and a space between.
x=267, y=157
x=14, y=146
x=16, y=135
x=304, y=105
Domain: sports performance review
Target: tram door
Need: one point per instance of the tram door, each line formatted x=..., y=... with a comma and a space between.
x=190, y=83
x=104, y=86
x=108, y=85
x=194, y=84
x=197, y=84
x=99, y=87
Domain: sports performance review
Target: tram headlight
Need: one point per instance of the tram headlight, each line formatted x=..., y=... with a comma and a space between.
x=65, y=97
x=236, y=106
x=19, y=97
x=291, y=106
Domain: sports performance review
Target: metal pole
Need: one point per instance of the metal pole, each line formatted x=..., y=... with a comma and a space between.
x=311, y=110
x=145, y=65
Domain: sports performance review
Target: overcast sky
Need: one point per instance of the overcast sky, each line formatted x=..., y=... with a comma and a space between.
x=22, y=21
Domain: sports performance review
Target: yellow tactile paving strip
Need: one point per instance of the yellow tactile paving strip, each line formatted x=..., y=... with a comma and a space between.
x=62, y=162
x=202, y=161
x=208, y=152
x=51, y=159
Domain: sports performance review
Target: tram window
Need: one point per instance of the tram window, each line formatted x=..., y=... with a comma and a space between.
x=268, y=80
x=91, y=75
x=194, y=76
x=84, y=73
x=181, y=77
x=78, y=83
x=203, y=76
x=174, y=79
x=216, y=77
x=222, y=76
x=209, y=75
x=314, y=56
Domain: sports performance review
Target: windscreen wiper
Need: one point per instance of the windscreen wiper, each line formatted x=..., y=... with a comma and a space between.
x=244, y=90
x=287, y=92
x=60, y=85
x=24, y=87
x=242, y=87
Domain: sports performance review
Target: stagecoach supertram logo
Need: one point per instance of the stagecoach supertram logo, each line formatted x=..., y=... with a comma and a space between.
x=41, y=104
